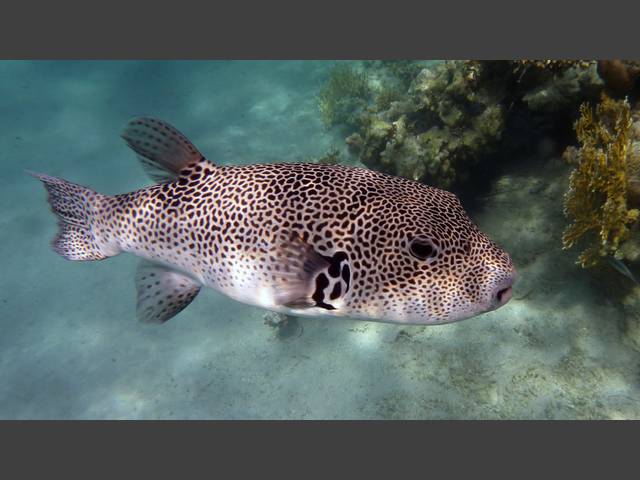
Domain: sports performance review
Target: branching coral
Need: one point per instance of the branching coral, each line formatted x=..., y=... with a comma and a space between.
x=597, y=197
x=344, y=97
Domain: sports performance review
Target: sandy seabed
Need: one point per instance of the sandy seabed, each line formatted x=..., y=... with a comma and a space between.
x=70, y=345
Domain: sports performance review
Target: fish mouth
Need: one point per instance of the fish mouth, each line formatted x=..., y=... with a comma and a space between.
x=504, y=295
x=504, y=290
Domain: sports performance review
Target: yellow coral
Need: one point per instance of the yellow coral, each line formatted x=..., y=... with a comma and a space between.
x=597, y=195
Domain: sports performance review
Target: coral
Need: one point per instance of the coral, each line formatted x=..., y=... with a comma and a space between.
x=344, y=97
x=629, y=250
x=554, y=66
x=620, y=76
x=389, y=81
x=446, y=123
x=393, y=72
x=386, y=95
x=355, y=143
x=440, y=128
x=372, y=142
x=597, y=197
x=564, y=88
x=404, y=70
x=409, y=155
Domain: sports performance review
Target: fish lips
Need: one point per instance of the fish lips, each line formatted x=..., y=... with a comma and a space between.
x=503, y=291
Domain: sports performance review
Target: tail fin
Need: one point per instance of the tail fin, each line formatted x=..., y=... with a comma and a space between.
x=74, y=206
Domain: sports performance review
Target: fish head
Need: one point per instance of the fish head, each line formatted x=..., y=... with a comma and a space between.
x=438, y=267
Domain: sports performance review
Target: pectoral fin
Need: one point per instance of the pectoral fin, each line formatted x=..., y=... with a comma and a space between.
x=299, y=264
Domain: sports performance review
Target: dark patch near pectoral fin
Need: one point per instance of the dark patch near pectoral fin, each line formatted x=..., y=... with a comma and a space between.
x=162, y=292
x=162, y=150
x=299, y=265
x=308, y=279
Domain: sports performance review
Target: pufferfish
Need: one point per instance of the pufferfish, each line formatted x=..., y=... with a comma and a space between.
x=301, y=239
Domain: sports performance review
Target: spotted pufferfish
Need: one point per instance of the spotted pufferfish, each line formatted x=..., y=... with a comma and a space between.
x=301, y=239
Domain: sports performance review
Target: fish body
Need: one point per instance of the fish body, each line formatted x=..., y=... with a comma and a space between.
x=302, y=239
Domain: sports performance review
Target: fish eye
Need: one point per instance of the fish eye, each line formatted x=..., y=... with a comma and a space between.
x=422, y=249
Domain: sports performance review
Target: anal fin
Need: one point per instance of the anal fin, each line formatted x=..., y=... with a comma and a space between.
x=162, y=292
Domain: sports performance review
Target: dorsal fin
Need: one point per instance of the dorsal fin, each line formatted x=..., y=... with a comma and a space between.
x=163, y=151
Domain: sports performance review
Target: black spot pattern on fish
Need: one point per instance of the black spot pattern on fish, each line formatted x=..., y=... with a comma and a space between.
x=318, y=295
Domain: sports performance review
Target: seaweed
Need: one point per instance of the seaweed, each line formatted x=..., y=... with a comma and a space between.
x=404, y=70
x=344, y=96
x=597, y=197
x=332, y=157
x=386, y=95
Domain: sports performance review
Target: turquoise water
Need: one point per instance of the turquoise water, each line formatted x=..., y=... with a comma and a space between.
x=71, y=347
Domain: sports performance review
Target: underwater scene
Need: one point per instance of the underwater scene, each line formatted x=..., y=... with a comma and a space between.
x=394, y=239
